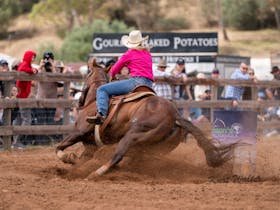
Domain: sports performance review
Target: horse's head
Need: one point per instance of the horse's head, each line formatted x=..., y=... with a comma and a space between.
x=96, y=77
x=98, y=73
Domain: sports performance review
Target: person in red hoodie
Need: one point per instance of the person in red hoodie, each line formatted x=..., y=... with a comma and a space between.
x=24, y=89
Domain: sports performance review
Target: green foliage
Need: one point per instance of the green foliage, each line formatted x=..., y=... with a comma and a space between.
x=9, y=9
x=209, y=13
x=241, y=14
x=64, y=14
x=78, y=43
x=171, y=24
x=267, y=13
x=52, y=8
x=26, y=5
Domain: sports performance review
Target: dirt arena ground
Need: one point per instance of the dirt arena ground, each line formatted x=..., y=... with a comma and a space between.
x=34, y=178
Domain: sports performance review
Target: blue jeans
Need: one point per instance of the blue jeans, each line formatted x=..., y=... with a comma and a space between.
x=117, y=88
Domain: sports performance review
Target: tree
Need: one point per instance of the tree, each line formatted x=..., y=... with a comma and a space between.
x=221, y=20
x=9, y=9
x=78, y=43
x=275, y=8
x=62, y=13
x=241, y=14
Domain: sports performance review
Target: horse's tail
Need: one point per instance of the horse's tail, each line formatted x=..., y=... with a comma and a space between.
x=215, y=155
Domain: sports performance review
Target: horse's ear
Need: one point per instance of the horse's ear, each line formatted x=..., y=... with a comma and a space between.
x=92, y=62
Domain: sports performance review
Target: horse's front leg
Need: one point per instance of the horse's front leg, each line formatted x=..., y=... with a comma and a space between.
x=125, y=143
x=67, y=142
x=90, y=149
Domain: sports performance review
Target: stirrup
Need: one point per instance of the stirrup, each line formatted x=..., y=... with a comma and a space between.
x=97, y=119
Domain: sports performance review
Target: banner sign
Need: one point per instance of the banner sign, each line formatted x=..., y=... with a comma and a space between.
x=162, y=43
x=230, y=126
x=169, y=59
x=232, y=59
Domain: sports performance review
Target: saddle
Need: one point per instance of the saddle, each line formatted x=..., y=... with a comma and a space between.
x=139, y=92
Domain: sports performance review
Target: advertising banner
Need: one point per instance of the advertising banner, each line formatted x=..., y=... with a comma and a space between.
x=163, y=43
x=231, y=126
x=239, y=127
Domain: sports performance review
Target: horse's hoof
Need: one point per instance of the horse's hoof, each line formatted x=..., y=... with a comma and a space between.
x=102, y=170
x=60, y=154
x=92, y=176
x=72, y=158
x=67, y=158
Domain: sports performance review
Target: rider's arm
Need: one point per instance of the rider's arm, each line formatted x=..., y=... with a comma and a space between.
x=119, y=64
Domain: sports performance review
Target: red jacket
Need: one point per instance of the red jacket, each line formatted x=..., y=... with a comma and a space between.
x=24, y=87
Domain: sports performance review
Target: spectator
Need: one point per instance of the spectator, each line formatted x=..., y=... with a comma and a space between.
x=216, y=75
x=200, y=94
x=247, y=94
x=235, y=93
x=59, y=66
x=14, y=66
x=46, y=89
x=24, y=87
x=274, y=93
x=205, y=112
x=162, y=89
x=1, y=121
x=3, y=67
x=13, y=95
x=181, y=92
x=1, y=110
x=14, y=111
x=179, y=71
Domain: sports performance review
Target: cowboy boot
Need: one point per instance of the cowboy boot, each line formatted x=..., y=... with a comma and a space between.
x=97, y=119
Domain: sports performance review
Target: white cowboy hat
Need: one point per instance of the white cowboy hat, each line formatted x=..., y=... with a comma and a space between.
x=134, y=39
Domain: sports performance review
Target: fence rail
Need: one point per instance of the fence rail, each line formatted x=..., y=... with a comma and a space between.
x=7, y=130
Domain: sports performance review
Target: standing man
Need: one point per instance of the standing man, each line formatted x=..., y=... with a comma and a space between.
x=274, y=93
x=216, y=75
x=235, y=93
x=162, y=89
x=46, y=89
x=3, y=67
x=24, y=89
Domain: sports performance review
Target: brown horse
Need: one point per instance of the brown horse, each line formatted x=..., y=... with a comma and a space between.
x=151, y=123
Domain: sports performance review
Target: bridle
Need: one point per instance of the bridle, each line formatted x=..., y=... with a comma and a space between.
x=92, y=82
x=105, y=76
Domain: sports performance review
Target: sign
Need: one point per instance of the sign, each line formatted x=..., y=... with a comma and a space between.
x=169, y=59
x=161, y=43
x=231, y=126
x=239, y=127
x=226, y=59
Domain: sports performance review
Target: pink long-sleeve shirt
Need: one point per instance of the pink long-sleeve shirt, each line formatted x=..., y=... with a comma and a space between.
x=139, y=63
